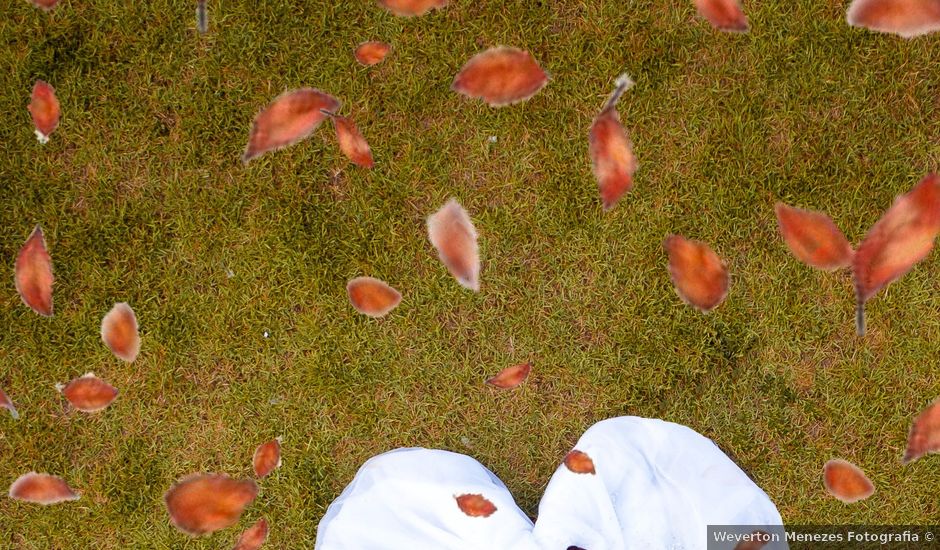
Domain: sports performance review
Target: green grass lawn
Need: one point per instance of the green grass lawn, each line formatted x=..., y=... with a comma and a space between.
x=144, y=199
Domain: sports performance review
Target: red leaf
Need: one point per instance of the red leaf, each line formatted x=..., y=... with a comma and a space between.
x=204, y=503
x=846, y=481
x=7, y=404
x=453, y=235
x=372, y=52
x=33, y=274
x=291, y=117
x=119, y=332
x=813, y=238
x=89, y=393
x=475, y=506
x=699, y=275
x=611, y=152
x=351, y=142
x=579, y=462
x=267, y=457
x=902, y=237
x=410, y=8
x=45, y=4
x=44, y=107
x=253, y=537
x=372, y=297
x=924, y=437
x=907, y=18
x=500, y=76
x=41, y=489
x=510, y=377
x=725, y=15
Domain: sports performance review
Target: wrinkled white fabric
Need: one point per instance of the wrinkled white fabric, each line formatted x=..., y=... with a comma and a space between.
x=657, y=485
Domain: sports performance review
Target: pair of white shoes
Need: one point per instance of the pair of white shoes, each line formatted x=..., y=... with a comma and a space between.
x=657, y=485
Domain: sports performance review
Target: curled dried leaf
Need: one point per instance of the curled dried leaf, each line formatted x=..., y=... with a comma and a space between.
x=372, y=52
x=253, y=537
x=500, y=76
x=510, y=377
x=290, y=118
x=351, y=142
x=813, y=238
x=267, y=457
x=906, y=18
x=411, y=8
x=924, y=437
x=33, y=274
x=119, y=332
x=372, y=297
x=7, y=404
x=44, y=108
x=89, y=393
x=42, y=489
x=204, y=503
x=475, y=506
x=699, y=275
x=453, y=235
x=846, y=481
x=579, y=462
x=612, y=157
x=724, y=15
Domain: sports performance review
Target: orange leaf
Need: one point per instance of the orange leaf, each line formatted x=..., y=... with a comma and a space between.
x=267, y=457
x=725, y=15
x=410, y=8
x=510, y=377
x=699, y=275
x=44, y=107
x=846, y=481
x=813, y=238
x=351, y=142
x=372, y=52
x=907, y=18
x=611, y=152
x=924, y=437
x=475, y=506
x=453, y=235
x=291, y=117
x=41, y=489
x=579, y=462
x=89, y=393
x=500, y=76
x=372, y=297
x=119, y=332
x=902, y=237
x=7, y=404
x=33, y=274
x=253, y=537
x=204, y=503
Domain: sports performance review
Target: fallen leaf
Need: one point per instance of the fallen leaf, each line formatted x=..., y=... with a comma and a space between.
x=612, y=157
x=351, y=142
x=372, y=297
x=902, y=237
x=46, y=5
x=453, y=235
x=813, y=237
x=846, y=481
x=411, y=8
x=41, y=489
x=510, y=377
x=724, y=15
x=291, y=117
x=372, y=52
x=119, y=332
x=906, y=18
x=7, y=404
x=44, y=108
x=475, y=506
x=33, y=274
x=253, y=537
x=89, y=393
x=500, y=76
x=204, y=503
x=267, y=457
x=579, y=462
x=699, y=275
x=924, y=437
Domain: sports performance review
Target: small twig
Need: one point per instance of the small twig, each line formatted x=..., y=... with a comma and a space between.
x=202, y=16
x=860, y=318
x=623, y=83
